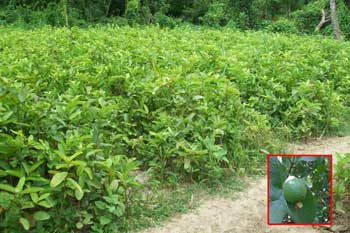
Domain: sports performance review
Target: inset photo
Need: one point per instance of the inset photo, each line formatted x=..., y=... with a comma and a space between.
x=299, y=189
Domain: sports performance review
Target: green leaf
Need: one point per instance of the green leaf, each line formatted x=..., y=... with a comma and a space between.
x=79, y=193
x=286, y=161
x=79, y=225
x=34, y=196
x=22, y=95
x=95, y=134
x=105, y=220
x=44, y=196
x=41, y=216
x=6, y=116
x=32, y=190
x=114, y=185
x=46, y=204
x=76, y=154
x=6, y=199
x=100, y=204
x=58, y=178
x=187, y=164
x=113, y=199
x=62, y=155
x=3, y=173
x=8, y=188
x=79, y=163
x=307, y=213
x=27, y=205
x=16, y=173
x=25, y=223
x=278, y=173
x=35, y=166
x=89, y=172
x=278, y=209
x=75, y=184
x=20, y=184
x=75, y=114
x=38, y=179
x=275, y=193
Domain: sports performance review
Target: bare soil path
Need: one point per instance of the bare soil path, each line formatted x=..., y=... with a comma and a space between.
x=246, y=211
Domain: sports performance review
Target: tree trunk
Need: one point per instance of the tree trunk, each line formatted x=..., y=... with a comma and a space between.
x=289, y=8
x=65, y=12
x=322, y=22
x=334, y=18
x=108, y=7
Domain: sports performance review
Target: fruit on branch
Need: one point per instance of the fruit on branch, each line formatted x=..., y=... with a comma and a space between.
x=294, y=190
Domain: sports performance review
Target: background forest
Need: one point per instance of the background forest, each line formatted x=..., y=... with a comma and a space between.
x=294, y=16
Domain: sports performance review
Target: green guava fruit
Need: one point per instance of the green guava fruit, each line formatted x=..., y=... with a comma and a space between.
x=294, y=190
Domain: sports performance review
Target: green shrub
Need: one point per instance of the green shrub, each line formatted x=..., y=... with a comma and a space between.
x=282, y=25
x=309, y=16
x=342, y=182
x=215, y=15
x=81, y=109
x=164, y=21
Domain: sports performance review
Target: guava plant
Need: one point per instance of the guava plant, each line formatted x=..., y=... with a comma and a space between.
x=299, y=189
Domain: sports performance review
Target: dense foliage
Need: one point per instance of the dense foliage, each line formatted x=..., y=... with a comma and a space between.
x=342, y=182
x=292, y=16
x=81, y=110
x=299, y=189
x=341, y=187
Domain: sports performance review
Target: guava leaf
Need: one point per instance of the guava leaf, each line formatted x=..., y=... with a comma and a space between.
x=278, y=209
x=307, y=213
x=275, y=193
x=41, y=216
x=105, y=220
x=278, y=173
x=286, y=161
x=58, y=178
x=25, y=223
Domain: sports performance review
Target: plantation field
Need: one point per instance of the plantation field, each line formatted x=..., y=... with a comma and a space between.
x=83, y=110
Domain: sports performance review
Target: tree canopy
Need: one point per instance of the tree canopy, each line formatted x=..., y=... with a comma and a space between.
x=301, y=16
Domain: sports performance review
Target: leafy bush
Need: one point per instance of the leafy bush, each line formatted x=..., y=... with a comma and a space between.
x=215, y=16
x=81, y=109
x=309, y=16
x=283, y=25
x=164, y=20
x=26, y=17
x=342, y=182
x=56, y=161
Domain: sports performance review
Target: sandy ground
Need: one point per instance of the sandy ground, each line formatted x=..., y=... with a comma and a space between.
x=246, y=211
x=325, y=146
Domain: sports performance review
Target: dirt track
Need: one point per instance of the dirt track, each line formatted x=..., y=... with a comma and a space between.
x=246, y=211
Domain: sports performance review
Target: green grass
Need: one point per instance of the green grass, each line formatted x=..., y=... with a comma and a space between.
x=160, y=206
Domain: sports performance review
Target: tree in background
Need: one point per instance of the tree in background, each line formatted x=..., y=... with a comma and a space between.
x=291, y=16
x=334, y=17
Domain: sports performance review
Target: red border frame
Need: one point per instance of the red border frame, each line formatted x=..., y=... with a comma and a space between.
x=331, y=191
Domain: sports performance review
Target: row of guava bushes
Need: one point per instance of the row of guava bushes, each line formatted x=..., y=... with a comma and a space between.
x=81, y=110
